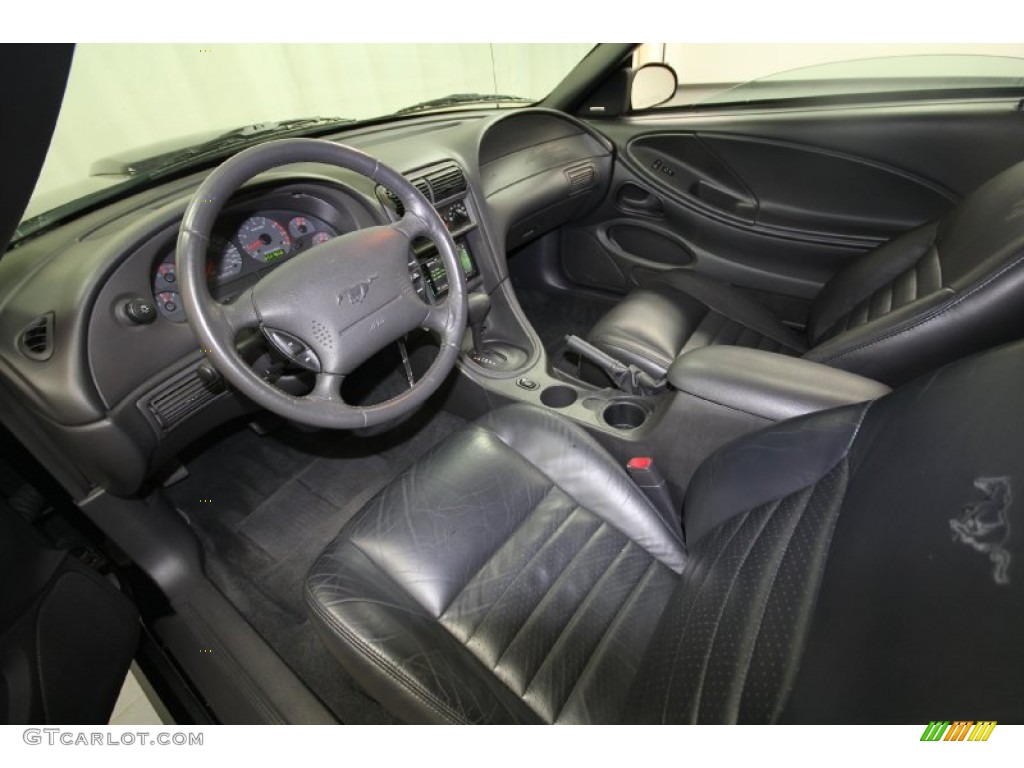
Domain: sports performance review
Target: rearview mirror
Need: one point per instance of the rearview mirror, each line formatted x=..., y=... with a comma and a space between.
x=652, y=84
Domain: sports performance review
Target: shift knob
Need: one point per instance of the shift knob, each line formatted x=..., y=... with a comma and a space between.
x=479, y=308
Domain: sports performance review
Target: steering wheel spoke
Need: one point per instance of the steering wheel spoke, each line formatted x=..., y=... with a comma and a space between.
x=327, y=388
x=412, y=226
x=241, y=313
x=437, y=318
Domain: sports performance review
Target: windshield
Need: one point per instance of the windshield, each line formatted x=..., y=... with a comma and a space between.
x=921, y=75
x=126, y=104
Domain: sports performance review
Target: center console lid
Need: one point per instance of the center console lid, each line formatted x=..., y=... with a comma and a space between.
x=767, y=384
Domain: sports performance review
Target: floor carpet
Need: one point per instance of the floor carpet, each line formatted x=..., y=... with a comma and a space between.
x=264, y=507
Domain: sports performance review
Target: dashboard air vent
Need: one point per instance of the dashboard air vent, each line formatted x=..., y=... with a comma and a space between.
x=580, y=178
x=36, y=341
x=447, y=183
x=180, y=398
x=389, y=197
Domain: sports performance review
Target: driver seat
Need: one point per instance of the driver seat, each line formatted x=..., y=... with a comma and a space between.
x=853, y=565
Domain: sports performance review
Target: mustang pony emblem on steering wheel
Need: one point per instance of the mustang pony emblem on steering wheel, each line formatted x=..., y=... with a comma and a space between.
x=356, y=293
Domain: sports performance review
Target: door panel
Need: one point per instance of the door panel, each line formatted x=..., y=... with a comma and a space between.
x=685, y=165
x=67, y=635
x=778, y=200
x=791, y=187
x=673, y=234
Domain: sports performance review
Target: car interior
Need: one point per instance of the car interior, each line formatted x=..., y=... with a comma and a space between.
x=574, y=411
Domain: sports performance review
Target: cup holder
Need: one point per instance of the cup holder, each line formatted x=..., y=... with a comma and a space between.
x=624, y=415
x=558, y=396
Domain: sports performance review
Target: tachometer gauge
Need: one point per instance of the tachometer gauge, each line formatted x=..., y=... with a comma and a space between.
x=225, y=260
x=300, y=226
x=264, y=239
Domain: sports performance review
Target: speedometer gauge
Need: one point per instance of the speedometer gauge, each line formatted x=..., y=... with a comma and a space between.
x=225, y=260
x=264, y=239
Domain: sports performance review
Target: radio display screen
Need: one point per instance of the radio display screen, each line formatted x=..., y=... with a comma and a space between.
x=435, y=273
x=466, y=259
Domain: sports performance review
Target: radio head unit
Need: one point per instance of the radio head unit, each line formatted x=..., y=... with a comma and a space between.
x=434, y=274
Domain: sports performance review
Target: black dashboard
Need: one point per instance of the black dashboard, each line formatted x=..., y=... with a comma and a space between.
x=109, y=398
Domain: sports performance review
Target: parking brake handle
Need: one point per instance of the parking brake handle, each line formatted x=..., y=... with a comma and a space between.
x=628, y=378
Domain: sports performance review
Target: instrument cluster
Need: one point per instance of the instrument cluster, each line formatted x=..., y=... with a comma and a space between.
x=241, y=253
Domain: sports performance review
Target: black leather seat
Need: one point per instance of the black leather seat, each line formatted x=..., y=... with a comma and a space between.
x=930, y=296
x=854, y=565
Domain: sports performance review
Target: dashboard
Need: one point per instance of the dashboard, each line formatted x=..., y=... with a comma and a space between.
x=109, y=395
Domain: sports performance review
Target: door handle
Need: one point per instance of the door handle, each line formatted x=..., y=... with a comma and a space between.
x=723, y=200
x=637, y=200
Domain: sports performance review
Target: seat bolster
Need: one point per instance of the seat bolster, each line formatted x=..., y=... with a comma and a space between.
x=759, y=521
x=926, y=334
x=865, y=275
x=668, y=313
x=732, y=304
x=767, y=465
x=986, y=230
x=396, y=650
x=583, y=469
x=648, y=328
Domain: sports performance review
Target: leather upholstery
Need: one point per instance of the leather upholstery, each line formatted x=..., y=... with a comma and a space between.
x=678, y=311
x=767, y=385
x=852, y=565
x=925, y=580
x=512, y=575
x=930, y=296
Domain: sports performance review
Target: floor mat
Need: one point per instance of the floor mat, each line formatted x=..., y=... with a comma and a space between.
x=265, y=506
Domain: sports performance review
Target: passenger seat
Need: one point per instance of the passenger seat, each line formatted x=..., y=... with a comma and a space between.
x=932, y=295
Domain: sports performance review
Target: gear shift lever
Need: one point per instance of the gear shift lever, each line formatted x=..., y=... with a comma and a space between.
x=498, y=355
x=479, y=308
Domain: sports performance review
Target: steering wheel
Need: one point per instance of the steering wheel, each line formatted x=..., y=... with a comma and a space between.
x=331, y=307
